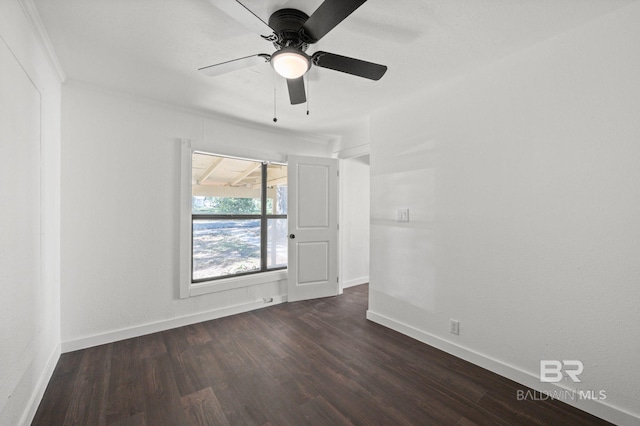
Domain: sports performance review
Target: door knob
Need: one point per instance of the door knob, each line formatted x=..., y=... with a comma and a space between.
x=292, y=236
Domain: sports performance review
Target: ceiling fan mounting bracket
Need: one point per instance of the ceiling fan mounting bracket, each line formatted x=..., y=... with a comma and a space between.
x=288, y=31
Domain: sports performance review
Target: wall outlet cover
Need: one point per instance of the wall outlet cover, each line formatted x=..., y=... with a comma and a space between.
x=454, y=327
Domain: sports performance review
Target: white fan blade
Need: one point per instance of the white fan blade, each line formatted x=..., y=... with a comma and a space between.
x=234, y=65
x=244, y=16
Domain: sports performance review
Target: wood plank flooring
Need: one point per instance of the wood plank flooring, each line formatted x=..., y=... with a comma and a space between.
x=317, y=362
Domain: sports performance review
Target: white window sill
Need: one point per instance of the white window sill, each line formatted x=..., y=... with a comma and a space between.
x=214, y=286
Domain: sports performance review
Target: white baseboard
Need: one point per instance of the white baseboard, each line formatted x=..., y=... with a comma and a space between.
x=41, y=386
x=141, y=330
x=355, y=281
x=598, y=408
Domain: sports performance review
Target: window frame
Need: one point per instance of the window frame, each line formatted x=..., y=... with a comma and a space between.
x=190, y=287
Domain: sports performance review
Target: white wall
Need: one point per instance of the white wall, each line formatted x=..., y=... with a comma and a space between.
x=120, y=213
x=29, y=215
x=522, y=183
x=352, y=148
x=354, y=221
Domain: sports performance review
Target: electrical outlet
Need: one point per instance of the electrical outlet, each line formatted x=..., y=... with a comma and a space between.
x=454, y=326
x=403, y=215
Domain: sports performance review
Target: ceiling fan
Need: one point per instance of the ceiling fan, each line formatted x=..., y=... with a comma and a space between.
x=291, y=32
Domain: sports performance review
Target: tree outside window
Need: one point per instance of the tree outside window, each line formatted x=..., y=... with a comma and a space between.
x=239, y=217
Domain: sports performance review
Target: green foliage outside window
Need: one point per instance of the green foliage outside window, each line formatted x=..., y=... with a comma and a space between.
x=218, y=205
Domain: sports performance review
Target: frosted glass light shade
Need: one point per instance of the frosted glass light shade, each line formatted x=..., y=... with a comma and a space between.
x=290, y=64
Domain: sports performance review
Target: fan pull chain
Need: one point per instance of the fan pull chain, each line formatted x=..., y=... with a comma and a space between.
x=275, y=120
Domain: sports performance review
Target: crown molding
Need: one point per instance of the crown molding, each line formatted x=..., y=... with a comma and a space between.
x=30, y=10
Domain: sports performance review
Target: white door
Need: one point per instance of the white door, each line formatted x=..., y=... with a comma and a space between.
x=313, y=227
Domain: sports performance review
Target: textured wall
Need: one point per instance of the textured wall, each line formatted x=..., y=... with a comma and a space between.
x=522, y=183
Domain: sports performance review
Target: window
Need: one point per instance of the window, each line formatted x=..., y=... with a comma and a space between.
x=238, y=217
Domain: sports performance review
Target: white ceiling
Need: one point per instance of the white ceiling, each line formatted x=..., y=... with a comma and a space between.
x=153, y=48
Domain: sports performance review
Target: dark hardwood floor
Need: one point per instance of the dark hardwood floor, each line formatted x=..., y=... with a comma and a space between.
x=317, y=362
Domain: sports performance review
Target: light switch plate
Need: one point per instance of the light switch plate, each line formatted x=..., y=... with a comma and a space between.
x=403, y=215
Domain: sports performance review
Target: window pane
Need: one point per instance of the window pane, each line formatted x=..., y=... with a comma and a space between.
x=225, y=247
x=222, y=185
x=276, y=189
x=276, y=243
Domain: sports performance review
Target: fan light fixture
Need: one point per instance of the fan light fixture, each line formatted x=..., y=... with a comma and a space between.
x=290, y=63
x=291, y=32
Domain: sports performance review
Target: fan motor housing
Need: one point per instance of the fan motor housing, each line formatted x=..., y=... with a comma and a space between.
x=287, y=23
